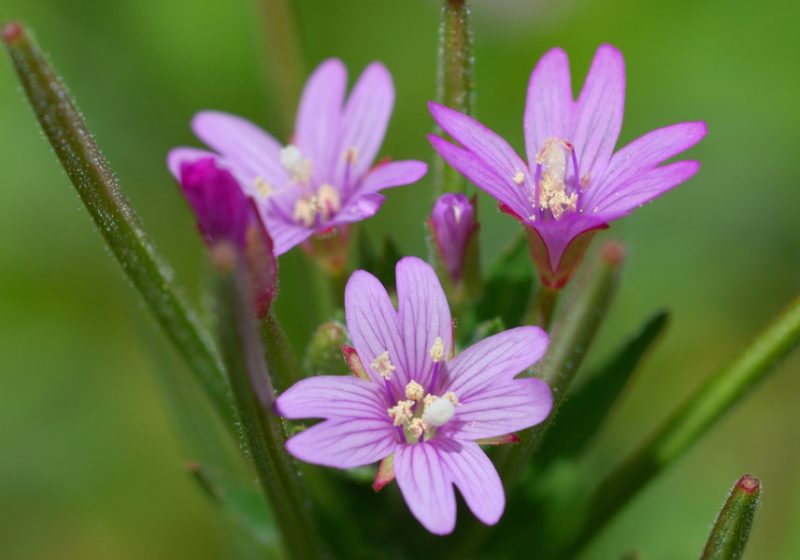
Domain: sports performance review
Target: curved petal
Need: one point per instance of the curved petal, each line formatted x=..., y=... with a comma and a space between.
x=392, y=174
x=502, y=408
x=332, y=396
x=318, y=124
x=252, y=152
x=644, y=188
x=285, y=235
x=372, y=322
x=598, y=117
x=424, y=316
x=645, y=153
x=344, y=443
x=357, y=209
x=495, y=360
x=426, y=487
x=177, y=156
x=483, y=176
x=487, y=146
x=549, y=107
x=475, y=477
x=366, y=116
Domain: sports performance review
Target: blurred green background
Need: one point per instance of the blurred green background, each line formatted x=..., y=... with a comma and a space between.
x=90, y=464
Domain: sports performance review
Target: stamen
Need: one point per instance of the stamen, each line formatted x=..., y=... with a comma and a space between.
x=401, y=412
x=519, y=177
x=414, y=391
x=305, y=211
x=437, y=350
x=417, y=427
x=263, y=188
x=328, y=201
x=551, y=170
x=299, y=168
x=383, y=365
x=439, y=412
x=451, y=396
x=351, y=155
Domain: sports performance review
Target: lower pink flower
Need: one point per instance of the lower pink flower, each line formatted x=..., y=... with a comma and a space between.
x=416, y=402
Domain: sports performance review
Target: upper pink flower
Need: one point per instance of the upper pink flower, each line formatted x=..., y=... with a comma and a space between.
x=324, y=177
x=572, y=181
x=418, y=403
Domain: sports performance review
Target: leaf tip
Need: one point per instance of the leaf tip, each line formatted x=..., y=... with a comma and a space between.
x=12, y=31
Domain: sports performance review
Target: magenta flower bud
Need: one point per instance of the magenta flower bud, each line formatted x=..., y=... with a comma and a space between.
x=452, y=224
x=221, y=207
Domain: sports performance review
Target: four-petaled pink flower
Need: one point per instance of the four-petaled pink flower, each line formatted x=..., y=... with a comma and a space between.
x=571, y=183
x=418, y=404
x=324, y=178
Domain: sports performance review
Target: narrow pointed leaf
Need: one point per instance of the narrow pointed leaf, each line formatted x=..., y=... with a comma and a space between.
x=98, y=188
x=585, y=412
x=732, y=528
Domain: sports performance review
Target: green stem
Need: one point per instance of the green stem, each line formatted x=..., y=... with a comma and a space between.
x=455, y=82
x=98, y=188
x=717, y=396
x=732, y=528
x=570, y=341
x=254, y=397
x=281, y=360
x=285, y=56
x=541, y=312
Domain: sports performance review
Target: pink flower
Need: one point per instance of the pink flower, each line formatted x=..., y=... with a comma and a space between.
x=324, y=177
x=417, y=403
x=572, y=182
x=453, y=224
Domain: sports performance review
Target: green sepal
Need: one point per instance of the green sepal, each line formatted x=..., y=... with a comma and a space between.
x=324, y=352
x=730, y=532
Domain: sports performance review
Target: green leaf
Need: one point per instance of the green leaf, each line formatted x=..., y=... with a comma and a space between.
x=100, y=192
x=508, y=286
x=585, y=412
x=381, y=265
x=324, y=353
x=732, y=528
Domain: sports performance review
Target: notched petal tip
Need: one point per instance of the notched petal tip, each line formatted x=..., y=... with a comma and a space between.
x=12, y=31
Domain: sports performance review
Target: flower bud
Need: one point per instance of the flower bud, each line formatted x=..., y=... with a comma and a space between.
x=453, y=224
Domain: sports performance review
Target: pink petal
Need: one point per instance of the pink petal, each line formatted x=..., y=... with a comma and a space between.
x=285, y=235
x=502, y=408
x=424, y=316
x=549, y=107
x=483, y=176
x=177, y=156
x=332, y=396
x=357, y=209
x=644, y=188
x=344, y=443
x=372, y=322
x=475, y=476
x=318, y=126
x=599, y=111
x=495, y=360
x=392, y=174
x=486, y=146
x=645, y=153
x=366, y=116
x=251, y=151
x=425, y=486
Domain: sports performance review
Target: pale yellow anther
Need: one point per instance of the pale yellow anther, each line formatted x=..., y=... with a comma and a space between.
x=263, y=188
x=401, y=412
x=552, y=187
x=437, y=350
x=328, y=201
x=429, y=399
x=351, y=155
x=417, y=427
x=298, y=167
x=383, y=365
x=414, y=391
x=451, y=396
x=305, y=211
x=519, y=177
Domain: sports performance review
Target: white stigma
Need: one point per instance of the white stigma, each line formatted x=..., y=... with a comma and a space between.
x=437, y=350
x=383, y=365
x=299, y=168
x=414, y=391
x=439, y=412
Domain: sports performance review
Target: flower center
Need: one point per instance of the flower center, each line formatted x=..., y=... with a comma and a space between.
x=552, y=195
x=420, y=416
x=318, y=205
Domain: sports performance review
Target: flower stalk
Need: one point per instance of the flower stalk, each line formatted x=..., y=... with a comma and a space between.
x=254, y=397
x=732, y=528
x=455, y=82
x=717, y=396
x=99, y=190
